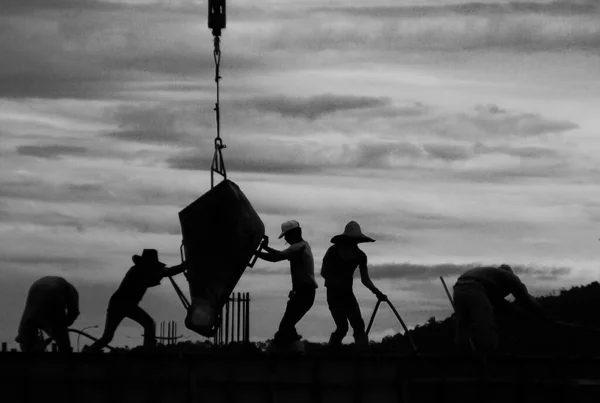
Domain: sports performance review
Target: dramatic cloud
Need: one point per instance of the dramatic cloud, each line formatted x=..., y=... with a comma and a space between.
x=330, y=112
x=317, y=106
x=411, y=271
x=50, y=152
x=475, y=26
x=493, y=121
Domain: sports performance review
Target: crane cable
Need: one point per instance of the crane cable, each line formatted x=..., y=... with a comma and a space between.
x=216, y=21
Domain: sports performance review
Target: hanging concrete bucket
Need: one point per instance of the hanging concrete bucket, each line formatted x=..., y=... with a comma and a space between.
x=221, y=234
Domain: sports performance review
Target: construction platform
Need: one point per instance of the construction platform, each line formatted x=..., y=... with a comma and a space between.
x=206, y=377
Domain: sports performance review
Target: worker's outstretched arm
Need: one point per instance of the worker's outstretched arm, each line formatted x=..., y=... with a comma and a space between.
x=175, y=270
x=528, y=302
x=366, y=280
x=274, y=255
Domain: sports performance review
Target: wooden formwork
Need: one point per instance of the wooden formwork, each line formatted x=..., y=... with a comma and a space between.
x=228, y=378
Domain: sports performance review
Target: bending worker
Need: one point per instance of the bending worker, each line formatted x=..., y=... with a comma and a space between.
x=147, y=272
x=52, y=306
x=339, y=263
x=476, y=293
x=302, y=269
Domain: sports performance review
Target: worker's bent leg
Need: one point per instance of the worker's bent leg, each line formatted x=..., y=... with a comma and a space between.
x=475, y=319
x=335, y=300
x=485, y=333
x=356, y=319
x=140, y=316
x=114, y=317
x=462, y=305
x=61, y=337
x=298, y=305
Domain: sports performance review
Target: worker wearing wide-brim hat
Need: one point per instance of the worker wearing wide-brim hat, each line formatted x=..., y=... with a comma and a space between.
x=339, y=264
x=147, y=271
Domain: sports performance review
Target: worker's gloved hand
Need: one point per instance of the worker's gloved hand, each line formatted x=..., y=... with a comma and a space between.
x=292, y=294
x=381, y=296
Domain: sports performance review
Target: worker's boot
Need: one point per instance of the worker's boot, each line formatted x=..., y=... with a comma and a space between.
x=335, y=340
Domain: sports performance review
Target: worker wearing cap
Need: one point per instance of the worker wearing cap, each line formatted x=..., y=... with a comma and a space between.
x=304, y=286
x=146, y=272
x=52, y=305
x=476, y=293
x=339, y=264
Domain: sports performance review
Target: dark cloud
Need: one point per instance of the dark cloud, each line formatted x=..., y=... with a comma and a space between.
x=49, y=219
x=410, y=271
x=555, y=8
x=522, y=170
x=194, y=162
x=110, y=193
x=148, y=125
x=316, y=106
x=62, y=263
x=381, y=154
x=447, y=152
x=143, y=225
x=510, y=27
x=99, y=50
x=51, y=151
x=522, y=152
x=492, y=121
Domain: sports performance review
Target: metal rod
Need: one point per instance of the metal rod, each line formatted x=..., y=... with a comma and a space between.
x=239, y=304
x=373, y=316
x=248, y=317
x=227, y=322
x=412, y=343
x=447, y=292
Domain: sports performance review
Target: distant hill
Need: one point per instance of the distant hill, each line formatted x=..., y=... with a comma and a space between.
x=520, y=334
x=523, y=334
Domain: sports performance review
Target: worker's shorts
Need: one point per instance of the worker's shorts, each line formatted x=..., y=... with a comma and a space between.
x=474, y=318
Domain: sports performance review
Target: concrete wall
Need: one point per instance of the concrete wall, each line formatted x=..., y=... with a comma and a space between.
x=141, y=378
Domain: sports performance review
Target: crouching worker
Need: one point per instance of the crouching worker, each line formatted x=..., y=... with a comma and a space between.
x=339, y=264
x=304, y=286
x=146, y=272
x=476, y=293
x=52, y=306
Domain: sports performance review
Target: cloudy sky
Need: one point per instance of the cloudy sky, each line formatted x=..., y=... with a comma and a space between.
x=455, y=133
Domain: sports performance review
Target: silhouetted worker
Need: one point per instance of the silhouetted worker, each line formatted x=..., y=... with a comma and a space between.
x=476, y=293
x=339, y=263
x=147, y=272
x=304, y=286
x=52, y=306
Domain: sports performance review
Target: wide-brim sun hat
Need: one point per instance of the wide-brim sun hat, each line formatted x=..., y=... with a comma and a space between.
x=148, y=257
x=288, y=225
x=352, y=232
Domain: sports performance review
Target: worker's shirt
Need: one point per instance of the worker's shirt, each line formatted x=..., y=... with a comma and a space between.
x=48, y=301
x=337, y=271
x=134, y=285
x=498, y=283
x=302, y=265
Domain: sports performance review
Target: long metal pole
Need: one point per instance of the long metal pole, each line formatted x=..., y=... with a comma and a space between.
x=248, y=317
x=448, y=292
x=373, y=316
